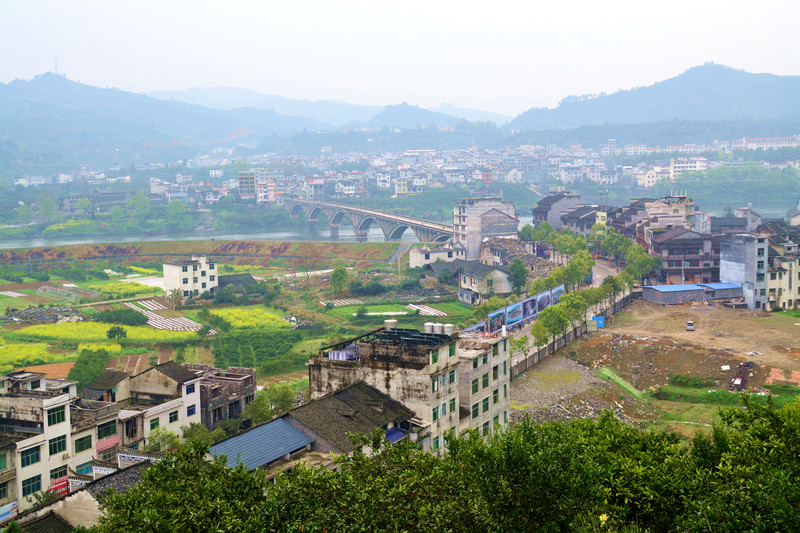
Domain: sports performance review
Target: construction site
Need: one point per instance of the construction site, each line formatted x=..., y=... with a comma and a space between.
x=648, y=369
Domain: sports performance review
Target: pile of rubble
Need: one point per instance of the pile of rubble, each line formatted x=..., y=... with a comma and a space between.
x=572, y=409
x=42, y=315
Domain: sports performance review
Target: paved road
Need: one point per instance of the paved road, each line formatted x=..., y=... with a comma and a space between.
x=601, y=269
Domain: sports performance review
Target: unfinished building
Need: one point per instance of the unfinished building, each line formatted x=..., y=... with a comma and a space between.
x=224, y=394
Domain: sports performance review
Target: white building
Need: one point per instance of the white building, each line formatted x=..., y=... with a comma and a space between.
x=191, y=276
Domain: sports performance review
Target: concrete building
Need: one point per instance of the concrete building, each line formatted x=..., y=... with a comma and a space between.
x=474, y=219
x=687, y=256
x=247, y=184
x=424, y=372
x=766, y=264
x=224, y=394
x=191, y=276
x=426, y=254
x=550, y=208
x=682, y=293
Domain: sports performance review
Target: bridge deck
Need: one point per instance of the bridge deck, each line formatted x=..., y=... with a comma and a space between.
x=446, y=228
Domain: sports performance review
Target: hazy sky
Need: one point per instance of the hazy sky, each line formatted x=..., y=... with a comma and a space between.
x=493, y=55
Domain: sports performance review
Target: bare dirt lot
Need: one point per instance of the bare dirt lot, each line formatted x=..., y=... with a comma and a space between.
x=646, y=344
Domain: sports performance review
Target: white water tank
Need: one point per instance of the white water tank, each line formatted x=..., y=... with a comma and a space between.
x=428, y=327
x=448, y=329
x=505, y=331
x=437, y=327
x=389, y=324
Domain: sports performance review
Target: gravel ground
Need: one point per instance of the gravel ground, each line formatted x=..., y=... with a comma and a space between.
x=561, y=389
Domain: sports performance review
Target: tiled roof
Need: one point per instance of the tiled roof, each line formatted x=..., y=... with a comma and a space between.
x=239, y=281
x=174, y=371
x=47, y=523
x=120, y=480
x=108, y=380
x=473, y=268
x=359, y=408
x=261, y=445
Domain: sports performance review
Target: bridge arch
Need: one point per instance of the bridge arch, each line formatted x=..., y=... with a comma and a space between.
x=336, y=219
x=397, y=233
x=295, y=210
x=365, y=223
x=315, y=212
x=442, y=238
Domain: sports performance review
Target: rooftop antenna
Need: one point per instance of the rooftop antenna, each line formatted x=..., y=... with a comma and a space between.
x=55, y=64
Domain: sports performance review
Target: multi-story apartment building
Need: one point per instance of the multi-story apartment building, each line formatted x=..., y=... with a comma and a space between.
x=191, y=276
x=766, y=264
x=477, y=218
x=687, y=256
x=247, y=184
x=682, y=165
x=550, y=208
x=224, y=394
x=424, y=371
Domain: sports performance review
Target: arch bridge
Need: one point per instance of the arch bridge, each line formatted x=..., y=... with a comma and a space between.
x=393, y=226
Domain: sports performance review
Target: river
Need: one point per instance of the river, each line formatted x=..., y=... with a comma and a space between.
x=300, y=233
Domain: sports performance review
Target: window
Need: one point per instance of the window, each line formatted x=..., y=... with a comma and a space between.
x=485, y=358
x=194, y=280
x=185, y=280
x=486, y=428
x=452, y=349
x=35, y=384
x=212, y=277
x=495, y=396
x=505, y=417
x=82, y=444
x=435, y=414
x=154, y=424
x=57, y=473
x=29, y=457
x=194, y=268
x=434, y=356
x=485, y=404
x=452, y=378
x=55, y=416
x=3, y=490
x=106, y=429
x=190, y=410
x=475, y=386
x=452, y=405
x=773, y=276
x=186, y=293
x=173, y=417
x=485, y=380
x=760, y=276
x=475, y=410
x=435, y=444
x=505, y=369
x=505, y=391
x=85, y=469
x=760, y=252
x=763, y=292
x=190, y=388
x=185, y=269
x=496, y=420
x=211, y=266
x=202, y=273
x=505, y=345
x=31, y=485
x=475, y=363
x=2, y=462
x=494, y=371
x=203, y=285
x=434, y=384
x=495, y=349
x=760, y=265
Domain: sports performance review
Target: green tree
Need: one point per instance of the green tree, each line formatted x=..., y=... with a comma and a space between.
x=116, y=332
x=540, y=334
x=519, y=275
x=84, y=205
x=88, y=367
x=197, y=433
x=47, y=207
x=554, y=319
x=117, y=215
x=575, y=307
x=260, y=409
x=175, y=212
x=338, y=280
x=520, y=345
x=24, y=214
x=162, y=439
x=526, y=233
x=281, y=397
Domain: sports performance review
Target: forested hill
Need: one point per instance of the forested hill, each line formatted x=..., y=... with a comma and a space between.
x=53, y=114
x=708, y=92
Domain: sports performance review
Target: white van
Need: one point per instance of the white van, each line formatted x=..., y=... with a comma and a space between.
x=689, y=325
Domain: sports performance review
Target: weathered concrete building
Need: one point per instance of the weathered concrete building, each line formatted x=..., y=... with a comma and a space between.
x=224, y=394
x=686, y=293
x=422, y=371
x=550, y=208
x=474, y=219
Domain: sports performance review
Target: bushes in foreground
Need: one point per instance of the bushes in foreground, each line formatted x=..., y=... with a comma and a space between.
x=585, y=475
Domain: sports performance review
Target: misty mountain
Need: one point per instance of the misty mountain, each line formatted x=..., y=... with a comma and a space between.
x=408, y=116
x=327, y=111
x=51, y=113
x=473, y=115
x=708, y=92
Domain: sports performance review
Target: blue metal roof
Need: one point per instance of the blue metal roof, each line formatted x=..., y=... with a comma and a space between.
x=395, y=434
x=719, y=286
x=674, y=288
x=262, y=444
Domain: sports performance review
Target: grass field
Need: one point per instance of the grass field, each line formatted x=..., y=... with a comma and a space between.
x=609, y=374
x=349, y=311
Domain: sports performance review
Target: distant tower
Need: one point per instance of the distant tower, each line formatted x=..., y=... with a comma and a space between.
x=55, y=64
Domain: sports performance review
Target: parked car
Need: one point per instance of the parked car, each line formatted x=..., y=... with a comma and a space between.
x=689, y=325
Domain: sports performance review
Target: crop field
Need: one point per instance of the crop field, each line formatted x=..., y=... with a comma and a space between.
x=251, y=317
x=120, y=289
x=14, y=355
x=95, y=332
x=386, y=310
